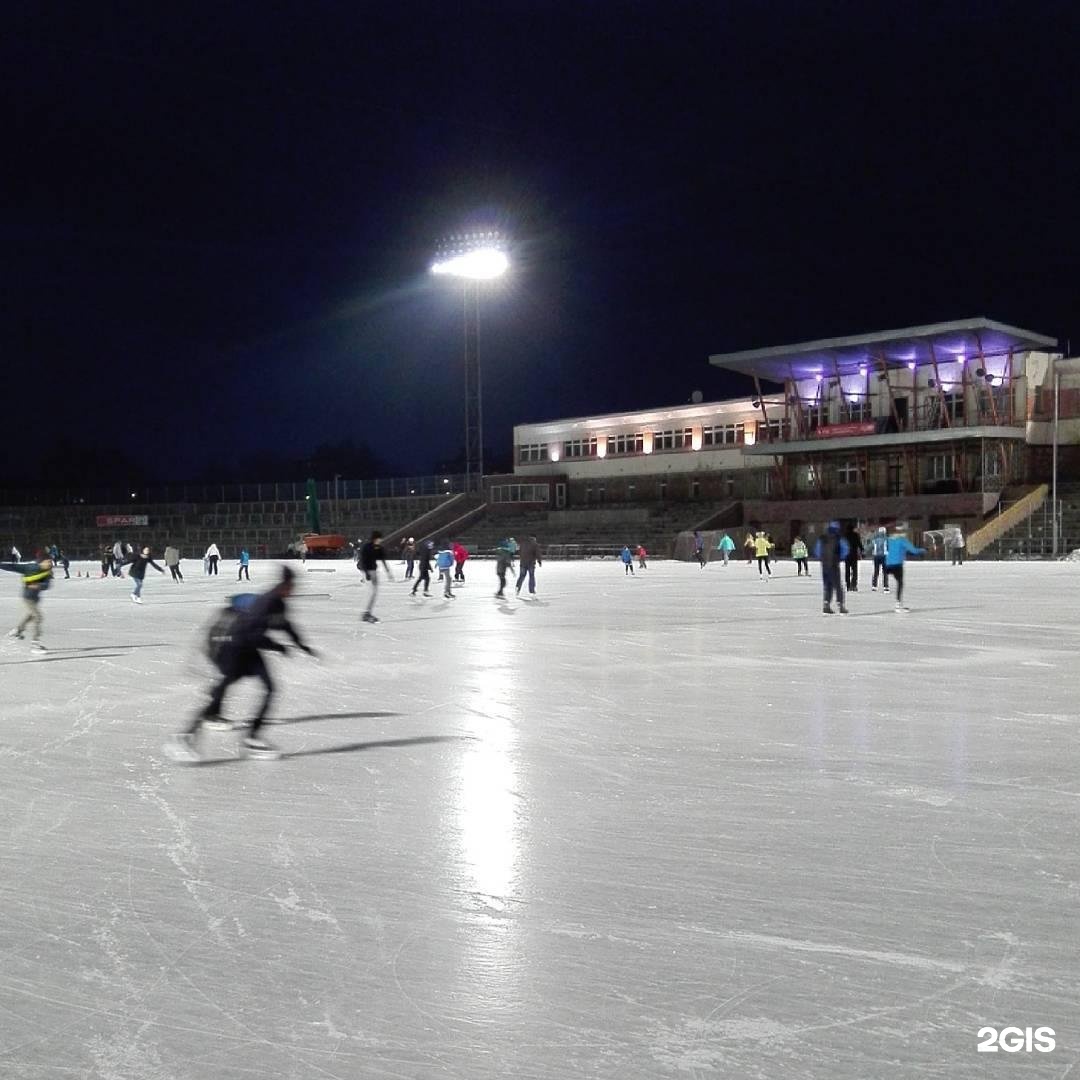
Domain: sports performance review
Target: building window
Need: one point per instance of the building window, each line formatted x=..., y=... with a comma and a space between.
x=766, y=481
x=991, y=463
x=941, y=467
x=579, y=448
x=770, y=430
x=723, y=435
x=630, y=489
x=626, y=444
x=860, y=411
x=847, y=472
x=682, y=439
x=954, y=405
x=663, y=489
x=532, y=452
x=695, y=489
x=729, y=483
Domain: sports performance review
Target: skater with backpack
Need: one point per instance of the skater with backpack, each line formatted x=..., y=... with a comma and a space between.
x=237, y=640
x=36, y=578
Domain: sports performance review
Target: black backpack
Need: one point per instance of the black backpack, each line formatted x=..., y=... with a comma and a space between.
x=225, y=630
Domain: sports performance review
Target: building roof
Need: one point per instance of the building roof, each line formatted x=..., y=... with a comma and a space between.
x=897, y=348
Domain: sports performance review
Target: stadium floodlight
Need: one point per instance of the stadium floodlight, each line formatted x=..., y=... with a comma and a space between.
x=473, y=258
x=484, y=264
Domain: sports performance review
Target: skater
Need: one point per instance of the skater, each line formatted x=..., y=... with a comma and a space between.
x=642, y=555
x=118, y=559
x=800, y=555
x=725, y=545
x=371, y=554
x=879, y=548
x=36, y=578
x=65, y=562
x=408, y=553
x=504, y=561
x=830, y=551
x=138, y=571
x=699, y=549
x=444, y=560
x=958, y=547
x=461, y=553
x=245, y=559
x=171, y=559
x=899, y=548
x=851, y=560
x=238, y=656
x=529, y=559
x=106, y=561
x=423, y=557
x=627, y=561
x=210, y=559
x=762, y=546
x=749, y=548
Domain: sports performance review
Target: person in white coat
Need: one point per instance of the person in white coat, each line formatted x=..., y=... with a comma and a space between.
x=211, y=558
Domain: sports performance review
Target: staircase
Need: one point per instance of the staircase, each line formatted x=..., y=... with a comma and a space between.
x=1034, y=537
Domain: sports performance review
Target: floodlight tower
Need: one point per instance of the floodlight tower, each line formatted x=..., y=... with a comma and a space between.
x=473, y=257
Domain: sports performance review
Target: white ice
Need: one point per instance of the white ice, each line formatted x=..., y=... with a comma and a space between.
x=679, y=825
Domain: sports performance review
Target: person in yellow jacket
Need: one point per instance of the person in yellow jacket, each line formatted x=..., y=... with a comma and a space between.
x=762, y=546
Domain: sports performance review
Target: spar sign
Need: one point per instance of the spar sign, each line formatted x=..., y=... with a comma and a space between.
x=105, y=521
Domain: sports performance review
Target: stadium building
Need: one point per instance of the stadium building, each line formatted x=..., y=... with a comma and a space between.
x=931, y=424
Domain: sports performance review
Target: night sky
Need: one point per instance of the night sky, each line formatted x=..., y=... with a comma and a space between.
x=218, y=218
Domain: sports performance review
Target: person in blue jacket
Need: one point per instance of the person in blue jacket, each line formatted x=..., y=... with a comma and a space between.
x=831, y=549
x=444, y=560
x=245, y=561
x=627, y=557
x=879, y=547
x=899, y=547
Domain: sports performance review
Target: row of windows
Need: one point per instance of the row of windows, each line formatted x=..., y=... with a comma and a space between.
x=673, y=440
x=520, y=493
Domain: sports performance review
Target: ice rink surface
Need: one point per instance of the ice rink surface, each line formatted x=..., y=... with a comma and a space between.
x=680, y=825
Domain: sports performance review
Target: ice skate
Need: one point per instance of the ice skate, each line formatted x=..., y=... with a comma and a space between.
x=368, y=617
x=843, y=610
x=37, y=647
x=16, y=634
x=215, y=722
x=136, y=599
x=183, y=748
x=900, y=609
x=826, y=610
x=260, y=749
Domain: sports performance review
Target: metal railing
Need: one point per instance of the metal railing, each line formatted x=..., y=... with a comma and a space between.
x=329, y=491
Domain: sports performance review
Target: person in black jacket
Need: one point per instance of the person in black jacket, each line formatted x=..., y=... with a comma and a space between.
x=139, y=563
x=851, y=559
x=832, y=550
x=239, y=657
x=423, y=557
x=371, y=554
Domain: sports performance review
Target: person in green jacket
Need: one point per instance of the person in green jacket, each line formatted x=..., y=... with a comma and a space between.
x=725, y=546
x=800, y=554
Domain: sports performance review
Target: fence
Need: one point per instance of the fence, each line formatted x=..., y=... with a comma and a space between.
x=290, y=491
